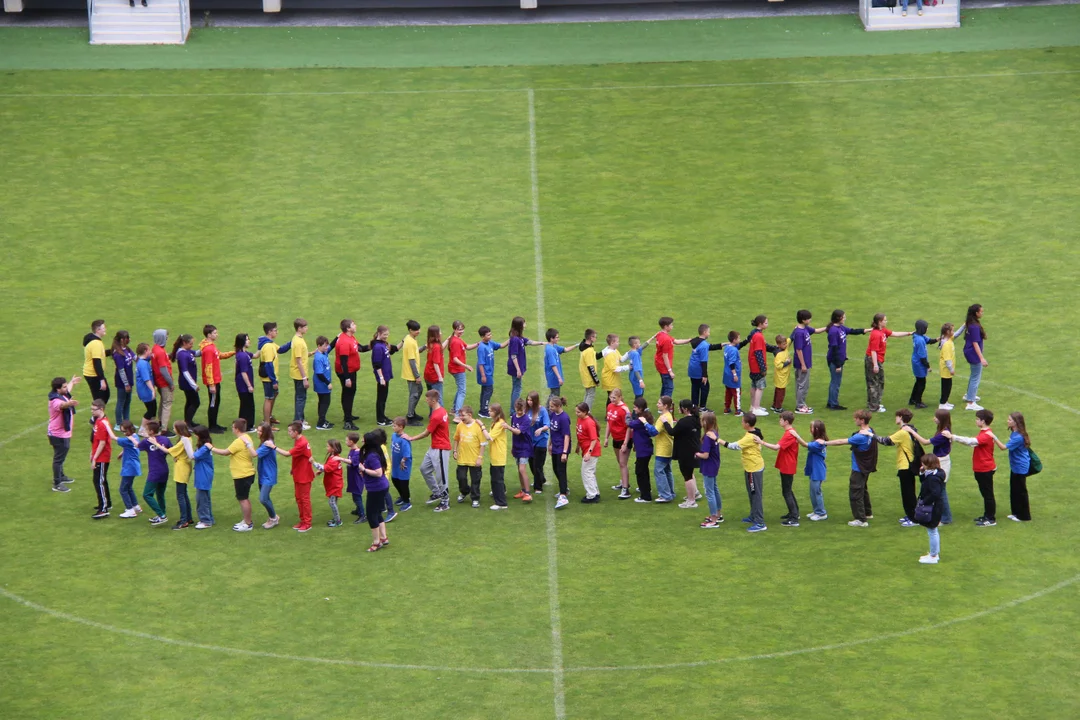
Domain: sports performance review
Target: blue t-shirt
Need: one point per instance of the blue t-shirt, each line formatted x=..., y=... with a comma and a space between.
x=732, y=357
x=267, y=465
x=204, y=468
x=698, y=355
x=552, y=359
x=636, y=372
x=144, y=374
x=918, y=354
x=815, y=460
x=535, y=424
x=1019, y=457
x=130, y=463
x=859, y=443
x=321, y=369
x=485, y=358
x=400, y=449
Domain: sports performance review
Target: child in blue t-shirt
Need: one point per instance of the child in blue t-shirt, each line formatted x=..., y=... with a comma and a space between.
x=732, y=374
x=130, y=468
x=321, y=375
x=485, y=367
x=144, y=384
x=401, y=464
x=633, y=358
x=815, y=468
x=920, y=364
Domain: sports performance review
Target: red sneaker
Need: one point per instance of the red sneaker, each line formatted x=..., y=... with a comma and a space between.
x=520, y=495
x=303, y=528
x=526, y=498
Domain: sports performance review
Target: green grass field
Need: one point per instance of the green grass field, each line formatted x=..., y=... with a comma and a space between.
x=707, y=191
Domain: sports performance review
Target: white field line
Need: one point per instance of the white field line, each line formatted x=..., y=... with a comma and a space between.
x=598, y=88
x=557, y=670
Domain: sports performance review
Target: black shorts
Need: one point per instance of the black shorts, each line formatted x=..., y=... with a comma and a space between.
x=687, y=468
x=243, y=486
x=618, y=444
x=151, y=410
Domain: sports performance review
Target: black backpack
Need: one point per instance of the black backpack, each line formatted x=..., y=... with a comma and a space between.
x=916, y=449
x=883, y=3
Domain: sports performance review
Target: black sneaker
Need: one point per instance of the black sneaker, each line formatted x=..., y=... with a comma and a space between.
x=416, y=422
x=100, y=514
x=66, y=480
x=60, y=487
x=218, y=430
x=354, y=512
x=624, y=495
x=349, y=426
x=790, y=523
x=360, y=520
x=920, y=406
x=323, y=426
x=985, y=522
x=590, y=500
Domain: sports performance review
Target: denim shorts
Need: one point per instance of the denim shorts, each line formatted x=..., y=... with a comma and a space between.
x=268, y=391
x=758, y=383
x=523, y=461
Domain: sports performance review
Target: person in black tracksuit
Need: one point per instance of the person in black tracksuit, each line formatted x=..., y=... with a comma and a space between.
x=686, y=434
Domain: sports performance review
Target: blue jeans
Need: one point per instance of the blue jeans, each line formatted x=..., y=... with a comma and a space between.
x=358, y=500
x=264, y=498
x=973, y=381
x=299, y=401
x=126, y=493
x=816, y=499
x=834, y=383
x=935, y=540
x=123, y=404
x=515, y=393
x=946, y=513
x=667, y=385
x=435, y=386
x=459, y=398
x=712, y=494
x=183, y=503
x=904, y=4
x=485, y=397
x=202, y=506
x=665, y=480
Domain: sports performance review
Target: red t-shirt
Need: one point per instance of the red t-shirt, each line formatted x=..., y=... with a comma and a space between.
x=665, y=347
x=586, y=433
x=159, y=359
x=616, y=420
x=787, y=459
x=439, y=427
x=757, y=345
x=982, y=460
x=346, y=354
x=878, y=338
x=434, y=359
x=457, y=355
x=332, y=481
x=101, y=434
x=302, y=472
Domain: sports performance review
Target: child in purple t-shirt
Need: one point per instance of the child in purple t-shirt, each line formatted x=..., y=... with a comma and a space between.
x=522, y=447
x=802, y=355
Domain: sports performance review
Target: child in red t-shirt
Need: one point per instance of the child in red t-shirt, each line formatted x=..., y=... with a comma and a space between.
x=982, y=463
x=787, y=462
x=874, y=363
x=303, y=474
x=588, y=437
x=332, y=480
x=100, y=456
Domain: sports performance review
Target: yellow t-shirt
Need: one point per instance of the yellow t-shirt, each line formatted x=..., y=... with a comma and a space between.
x=94, y=350
x=299, y=352
x=182, y=471
x=905, y=450
x=268, y=354
x=468, y=438
x=498, y=443
x=947, y=352
x=410, y=351
x=588, y=360
x=609, y=378
x=240, y=465
x=781, y=374
x=663, y=445
x=751, y=454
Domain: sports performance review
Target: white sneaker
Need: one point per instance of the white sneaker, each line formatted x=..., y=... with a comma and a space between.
x=929, y=559
x=138, y=509
x=858, y=523
x=973, y=406
x=944, y=406
x=202, y=526
x=881, y=408
x=460, y=498
x=129, y=513
x=561, y=502
x=499, y=507
x=242, y=527
x=272, y=522
x=306, y=426
x=761, y=412
x=616, y=487
x=1011, y=517
x=949, y=406
x=476, y=503
x=688, y=504
x=814, y=517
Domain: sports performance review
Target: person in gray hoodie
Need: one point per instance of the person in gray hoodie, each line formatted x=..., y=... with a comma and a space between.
x=163, y=379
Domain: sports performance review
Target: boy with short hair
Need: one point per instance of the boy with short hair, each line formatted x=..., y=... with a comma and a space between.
x=303, y=474
x=61, y=416
x=698, y=367
x=268, y=356
x=94, y=362
x=803, y=355
x=864, y=455
x=753, y=470
x=298, y=371
x=470, y=439
x=906, y=468
x=982, y=464
x=436, y=465
x=782, y=376
x=633, y=358
x=665, y=355
x=241, y=452
x=553, y=371
x=410, y=370
x=485, y=367
x=733, y=374
x=401, y=464
x=590, y=378
x=323, y=384
x=211, y=374
x=100, y=456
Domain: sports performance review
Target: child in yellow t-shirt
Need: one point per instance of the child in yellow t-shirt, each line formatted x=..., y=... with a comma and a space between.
x=753, y=470
x=946, y=365
x=470, y=439
x=781, y=373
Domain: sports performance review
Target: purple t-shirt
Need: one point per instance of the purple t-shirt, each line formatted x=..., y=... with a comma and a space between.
x=354, y=484
x=380, y=360
x=374, y=460
x=837, y=335
x=517, y=350
x=522, y=446
x=560, y=429
x=243, y=367
x=801, y=335
x=972, y=336
x=185, y=363
x=710, y=466
x=642, y=439
x=157, y=467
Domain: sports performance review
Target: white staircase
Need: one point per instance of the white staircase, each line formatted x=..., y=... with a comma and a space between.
x=162, y=22
x=943, y=15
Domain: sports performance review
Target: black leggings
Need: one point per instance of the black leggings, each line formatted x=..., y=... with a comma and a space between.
x=917, y=390
x=641, y=472
x=191, y=404
x=247, y=409
x=946, y=389
x=324, y=405
x=348, y=394
x=151, y=411
x=558, y=466
x=381, y=391
x=536, y=464
x=907, y=492
x=1018, y=496
x=214, y=393
x=376, y=502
